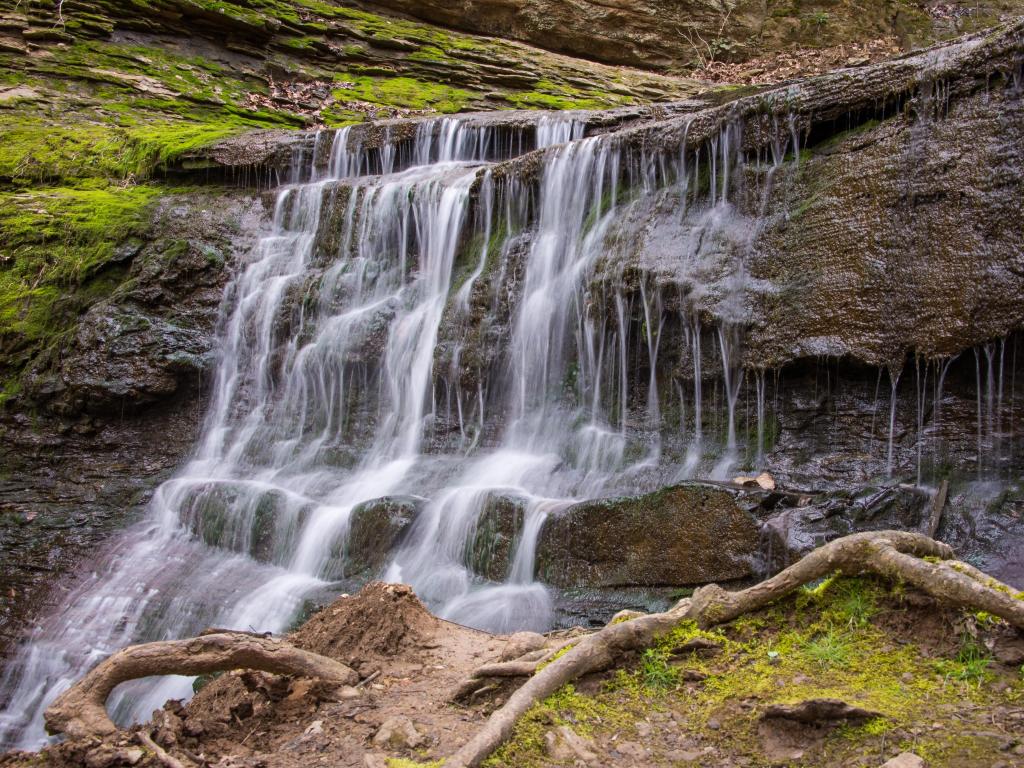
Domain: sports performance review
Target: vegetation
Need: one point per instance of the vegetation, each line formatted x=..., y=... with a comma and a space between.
x=834, y=641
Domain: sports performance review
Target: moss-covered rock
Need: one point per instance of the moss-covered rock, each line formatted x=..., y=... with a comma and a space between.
x=375, y=529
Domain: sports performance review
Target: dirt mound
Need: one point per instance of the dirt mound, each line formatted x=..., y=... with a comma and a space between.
x=383, y=621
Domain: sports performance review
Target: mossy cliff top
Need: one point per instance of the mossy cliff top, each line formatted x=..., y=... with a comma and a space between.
x=96, y=97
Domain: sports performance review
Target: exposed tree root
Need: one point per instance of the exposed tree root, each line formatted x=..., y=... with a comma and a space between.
x=81, y=710
x=896, y=555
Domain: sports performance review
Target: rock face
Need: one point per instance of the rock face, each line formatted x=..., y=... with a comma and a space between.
x=87, y=466
x=685, y=534
x=661, y=34
x=152, y=336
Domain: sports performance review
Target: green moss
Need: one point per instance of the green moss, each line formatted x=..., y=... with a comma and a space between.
x=403, y=92
x=55, y=240
x=401, y=762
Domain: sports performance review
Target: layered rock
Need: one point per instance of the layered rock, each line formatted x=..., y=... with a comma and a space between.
x=660, y=34
x=684, y=534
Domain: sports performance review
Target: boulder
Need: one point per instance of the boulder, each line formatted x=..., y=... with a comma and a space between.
x=375, y=529
x=683, y=534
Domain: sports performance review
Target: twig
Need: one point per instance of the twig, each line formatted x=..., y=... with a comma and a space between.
x=369, y=679
x=161, y=754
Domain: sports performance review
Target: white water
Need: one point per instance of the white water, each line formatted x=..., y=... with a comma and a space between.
x=328, y=395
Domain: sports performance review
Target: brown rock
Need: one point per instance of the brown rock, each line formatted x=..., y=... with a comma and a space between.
x=684, y=534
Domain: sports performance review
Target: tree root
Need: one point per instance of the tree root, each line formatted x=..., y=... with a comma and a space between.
x=524, y=666
x=81, y=710
x=896, y=555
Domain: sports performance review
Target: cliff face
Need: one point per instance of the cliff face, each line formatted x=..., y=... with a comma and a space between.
x=670, y=35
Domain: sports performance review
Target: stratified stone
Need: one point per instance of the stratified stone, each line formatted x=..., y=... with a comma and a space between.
x=684, y=534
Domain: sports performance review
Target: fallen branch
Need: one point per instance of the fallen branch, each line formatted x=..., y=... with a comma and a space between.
x=896, y=555
x=81, y=710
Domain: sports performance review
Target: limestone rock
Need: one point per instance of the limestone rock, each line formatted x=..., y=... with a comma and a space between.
x=521, y=643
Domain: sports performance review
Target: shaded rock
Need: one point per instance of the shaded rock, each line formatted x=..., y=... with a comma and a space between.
x=684, y=534
x=819, y=711
x=787, y=731
x=1009, y=650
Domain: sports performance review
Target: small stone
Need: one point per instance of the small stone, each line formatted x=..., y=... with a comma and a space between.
x=107, y=756
x=564, y=745
x=522, y=643
x=904, y=760
x=714, y=724
x=348, y=692
x=315, y=728
x=643, y=729
x=374, y=760
x=398, y=733
x=1009, y=651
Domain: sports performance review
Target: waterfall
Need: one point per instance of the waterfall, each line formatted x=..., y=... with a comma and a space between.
x=426, y=319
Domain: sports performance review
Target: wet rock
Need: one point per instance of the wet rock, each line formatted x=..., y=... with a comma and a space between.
x=376, y=528
x=796, y=527
x=496, y=536
x=152, y=337
x=684, y=534
x=398, y=733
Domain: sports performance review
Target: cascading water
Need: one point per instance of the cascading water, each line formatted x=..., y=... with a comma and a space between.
x=348, y=372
